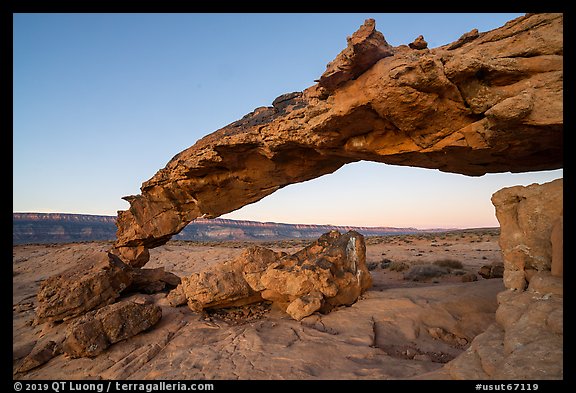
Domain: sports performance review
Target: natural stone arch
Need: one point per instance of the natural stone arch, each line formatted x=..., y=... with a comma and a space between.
x=489, y=102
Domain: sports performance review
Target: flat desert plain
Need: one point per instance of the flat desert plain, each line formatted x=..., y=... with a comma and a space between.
x=406, y=326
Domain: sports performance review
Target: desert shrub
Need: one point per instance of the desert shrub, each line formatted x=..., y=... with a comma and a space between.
x=372, y=265
x=425, y=272
x=398, y=266
x=449, y=263
x=385, y=262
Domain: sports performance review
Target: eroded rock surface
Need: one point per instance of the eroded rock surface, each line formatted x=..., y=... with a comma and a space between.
x=526, y=341
x=385, y=336
x=494, y=270
x=95, y=331
x=330, y=272
x=96, y=281
x=527, y=216
x=40, y=354
x=365, y=47
x=490, y=102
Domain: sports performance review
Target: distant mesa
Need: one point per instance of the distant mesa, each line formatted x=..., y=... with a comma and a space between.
x=43, y=228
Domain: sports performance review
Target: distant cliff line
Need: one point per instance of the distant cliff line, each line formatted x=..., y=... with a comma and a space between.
x=31, y=228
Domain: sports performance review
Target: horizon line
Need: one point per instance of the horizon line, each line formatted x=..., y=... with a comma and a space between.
x=278, y=223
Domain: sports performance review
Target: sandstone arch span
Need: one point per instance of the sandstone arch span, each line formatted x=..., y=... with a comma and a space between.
x=489, y=102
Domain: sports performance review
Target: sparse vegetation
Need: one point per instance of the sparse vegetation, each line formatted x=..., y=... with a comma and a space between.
x=372, y=265
x=385, y=262
x=449, y=263
x=398, y=266
x=425, y=272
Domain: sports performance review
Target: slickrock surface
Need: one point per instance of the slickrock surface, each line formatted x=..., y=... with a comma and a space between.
x=491, y=102
x=396, y=329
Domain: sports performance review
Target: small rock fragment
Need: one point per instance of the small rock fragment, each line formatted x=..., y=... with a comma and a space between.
x=419, y=43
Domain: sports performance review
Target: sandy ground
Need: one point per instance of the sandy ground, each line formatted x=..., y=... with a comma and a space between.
x=399, y=329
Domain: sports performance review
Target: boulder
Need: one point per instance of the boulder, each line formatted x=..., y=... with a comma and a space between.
x=233, y=283
x=327, y=273
x=469, y=277
x=95, y=331
x=494, y=270
x=96, y=281
x=305, y=305
x=419, y=43
x=527, y=216
x=40, y=354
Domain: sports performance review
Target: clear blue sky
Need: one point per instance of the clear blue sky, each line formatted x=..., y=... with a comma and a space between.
x=102, y=101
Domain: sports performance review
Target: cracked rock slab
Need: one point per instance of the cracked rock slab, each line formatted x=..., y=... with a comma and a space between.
x=95, y=281
x=94, y=332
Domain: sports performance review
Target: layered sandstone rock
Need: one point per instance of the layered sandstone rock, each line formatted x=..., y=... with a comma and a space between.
x=526, y=342
x=96, y=281
x=490, y=102
x=92, y=333
x=330, y=272
x=228, y=284
x=365, y=47
x=527, y=216
x=95, y=331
